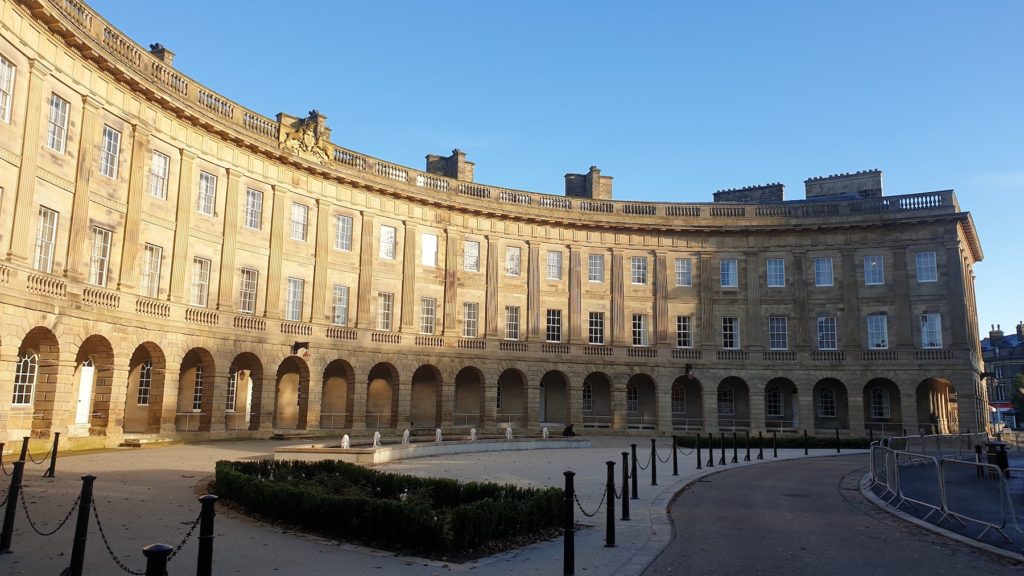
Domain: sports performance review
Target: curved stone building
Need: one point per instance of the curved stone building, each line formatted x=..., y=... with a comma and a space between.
x=175, y=264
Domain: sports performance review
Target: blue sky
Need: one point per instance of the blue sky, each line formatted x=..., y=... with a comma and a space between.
x=674, y=99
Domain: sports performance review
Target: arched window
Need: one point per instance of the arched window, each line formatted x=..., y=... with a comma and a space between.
x=827, y=403
x=499, y=397
x=197, y=391
x=632, y=399
x=145, y=383
x=25, y=378
x=588, y=397
x=773, y=402
x=678, y=399
x=726, y=401
x=229, y=403
x=880, y=403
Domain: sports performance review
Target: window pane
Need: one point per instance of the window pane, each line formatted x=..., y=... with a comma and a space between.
x=7, y=71
x=471, y=256
x=99, y=256
x=110, y=152
x=513, y=260
x=300, y=215
x=341, y=305
x=874, y=272
x=207, y=193
x=428, y=250
x=343, y=233
x=158, y=167
x=823, y=272
x=776, y=273
x=512, y=322
x=595, y=268
x=387, y=242
x=926, y=268
x=728, y=268
x=827, y=333
x=253, y=209
x=684, y=272
x=296, y=286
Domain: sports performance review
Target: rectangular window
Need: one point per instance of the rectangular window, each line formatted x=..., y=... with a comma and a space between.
x=827, y=333
x=730, y=272
x=229, y=401
x=776, y=273
x=926, y=269
x=639, y=330
x=428, y=315
x=773, y=402
x=293, y=309
x=253, y=209
x=730, y=332
x=197, y=390
x=684, y=272
x=99, y=256
x=110, y=153
x=874, y=272
x=470, y=311
x=471, y=256
x=595, y=268
x=340, y=305
x=878, y=332
x=207, y=193
x=385, y=306
x=588, y=397
x=200, y=282
x=428, y=250
x=827, y=403
x=152, y=258
x=145, y=383
x=513, y=261
x=46, y=235
x=511, y=322
x=778, y=333
x=342, y=232
x=7, y=71
x=159, y=167
x=823, y=272
x=638, y=269
x=300, y=218
x=554, y=326
x=931, y=330
x=684, y=332
x=57, y=131
x=595, y=332
x=554, y=265
x=247, y=286
x=387, y=242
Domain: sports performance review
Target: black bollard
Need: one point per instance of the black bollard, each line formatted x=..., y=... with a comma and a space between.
x=12, y=503
x=722, y=460
x=204, y=567
x=82, y=526
x=625, y=485
x=747, y=457
x=837, y=440
x=654, y=463
x=871, y=435
x=775, y=443
x=711, y=450
x=632, y=474
x=675, y=457
x=734, y=453
x=760, y=446
x=156, y=559
x=905, y=432
x=609, y=535
x=24, y=448
x=569, y=528
x=805, y=441
x=698, y=451
x=53, y=457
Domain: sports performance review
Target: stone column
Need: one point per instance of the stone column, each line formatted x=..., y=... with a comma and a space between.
x=408, y=323
x=577, y=334
x=76, y=267
x=533, y=306
x=451, y=284
x=491, y=311
x=662, y=326
x=278, y=224
x=959, y=327
x=620, y=336
x=365, y=296
x=226, y=294
x=128, y=278
x=321, y=286
x=22, y=241
x=183, y=217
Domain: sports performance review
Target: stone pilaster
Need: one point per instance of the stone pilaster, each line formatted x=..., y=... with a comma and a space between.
x=128, y=278
x=365, y=295
x=491, y=308
x=900, y=327
x=183, y=219
x=533, y=306
x=800, y=323
x=21, y=237
x=848, y=332
x=662, y=326
x=77, y=263
x=408, y=323
x=321, y=286
x=708, y=327
x=620, y=336
x=226, y=294
x=451, y=283
x=278, y=224
x=577, y=334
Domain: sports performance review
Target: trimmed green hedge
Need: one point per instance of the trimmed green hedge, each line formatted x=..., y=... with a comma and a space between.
x=787, y=441
x=427, y=516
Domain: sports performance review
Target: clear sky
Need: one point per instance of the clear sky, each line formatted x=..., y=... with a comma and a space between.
x=674, y=99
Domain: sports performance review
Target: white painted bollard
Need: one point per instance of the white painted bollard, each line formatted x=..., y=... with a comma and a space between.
x=544, y=433
x=405, y=436
x=346, y=443
x=508, y=433
x=472, y=434
x=437, y=435
x=376, y=439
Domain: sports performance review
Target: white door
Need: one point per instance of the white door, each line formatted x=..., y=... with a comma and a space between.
x=84, y=410
x=248, y=397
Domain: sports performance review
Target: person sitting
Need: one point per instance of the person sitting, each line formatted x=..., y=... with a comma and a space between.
x=568, y=431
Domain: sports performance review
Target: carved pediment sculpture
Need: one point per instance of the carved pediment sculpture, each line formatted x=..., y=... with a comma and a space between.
x=308, y=137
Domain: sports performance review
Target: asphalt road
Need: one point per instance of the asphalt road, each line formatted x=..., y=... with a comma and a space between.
x=805, y=517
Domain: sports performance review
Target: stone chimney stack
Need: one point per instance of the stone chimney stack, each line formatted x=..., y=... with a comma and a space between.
x=1020, y=330
x=165, y=55
x=863, y=184
x=589, y=185
x=995, y=335
x=454, y=166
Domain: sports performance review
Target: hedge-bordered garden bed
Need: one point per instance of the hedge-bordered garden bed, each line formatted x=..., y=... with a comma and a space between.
x=431, y=517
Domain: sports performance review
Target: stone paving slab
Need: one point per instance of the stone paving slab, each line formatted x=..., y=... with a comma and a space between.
x=145, y=496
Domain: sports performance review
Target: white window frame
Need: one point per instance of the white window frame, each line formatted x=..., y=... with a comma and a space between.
x=778, y=333
x=513, y=260
x=159, y=168
x=152, y=261
x=200, y=293
x=640, y=330
x=26, y=373
x=299, y=221
x=927, y=267
x=638, y=269
x=773, y=402
x=388, y=240
x=726, y=399
x=293, y=304
x=471, y=255
x=595, y=267
x=684, y=332
x=207, y=199
x=730, y=333
x=511, y=322
x=729, y=269
x=248, y=286
x=339, y=305
x=776, y=271
x=826, y=403
x=553, y=328
x=46, y=237
x=470, y=319
x=880, y=404
x=588, y=397
x=385, y=310
x=874, y=270
x=197, y=389
x=684, y=272
x=428, y=250
x=595, y=329
x=145, y=383
x=828, y=338
x=878, y=331
x=232, y=390
x=554, y=259
x=823, y=274
x=99, y=255
x=343, y=232
x=428, y=315
x=57, y=128
x=678, y=398
x=931, y=330
x=7, y=74
x=632, y=398
x=253, y=209
x=110, y=152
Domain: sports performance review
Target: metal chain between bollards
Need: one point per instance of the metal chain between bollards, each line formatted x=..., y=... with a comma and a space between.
x=644, y=466
x=683, y=450
x=3, y=468
x=24, y=506
x=617, y=492
x=114, y=557
x=185, y=539
x=667, y=458
x=594, y=513
x=43, y=459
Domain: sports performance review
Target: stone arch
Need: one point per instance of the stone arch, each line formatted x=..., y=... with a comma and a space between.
x=469, y=397
x=936, y=407
x=196, y=379
x=291, y=394
x=641, y=402
x=831, y=405
x=382, y=396
x=554, y=399
x=35, y=384
x=781, y=405
x=243, y=396
x=338, y=395
x=144, y=399
x=883, y=411
x=511, y=399
x=686, y=404
x=733, y=404
x=597, y=400
x=425, y=394
x=92, y=386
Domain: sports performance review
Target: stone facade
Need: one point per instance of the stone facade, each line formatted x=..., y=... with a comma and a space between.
x=175, y=264
x=1004, y=363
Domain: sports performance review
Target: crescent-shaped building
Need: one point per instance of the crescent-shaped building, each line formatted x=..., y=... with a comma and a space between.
x=175, y=265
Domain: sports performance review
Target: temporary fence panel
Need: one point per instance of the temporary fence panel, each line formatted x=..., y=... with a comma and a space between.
x=919, y=481
x=977, y=493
